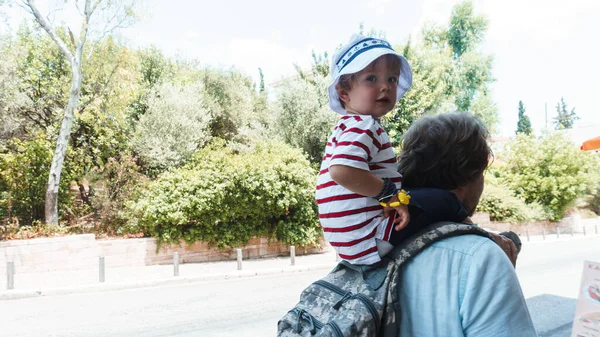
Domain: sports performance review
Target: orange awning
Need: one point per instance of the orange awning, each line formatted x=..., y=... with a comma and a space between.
x=591, y=144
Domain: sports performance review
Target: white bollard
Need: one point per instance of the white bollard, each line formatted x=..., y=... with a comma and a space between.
x=10, y=275
x=176, y=264
x=239, y=259
x=293, y=255
x=557, y=232
x=101, y=269
x=527, y=232
x=583, y=230
x=544, y=233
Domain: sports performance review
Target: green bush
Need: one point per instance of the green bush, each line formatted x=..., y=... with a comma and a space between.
x=550, y=171
x=23, y=179
x=502, y=205
x=593, y=194
x=226, y=198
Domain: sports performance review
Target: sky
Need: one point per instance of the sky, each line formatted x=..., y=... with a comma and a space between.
x=543, y=49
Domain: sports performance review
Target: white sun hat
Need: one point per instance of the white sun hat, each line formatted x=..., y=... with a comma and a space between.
x=355, y=56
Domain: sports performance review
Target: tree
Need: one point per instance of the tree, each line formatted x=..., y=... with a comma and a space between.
x=154, y=69
x=565, y=119
x=262, y=81
x=304, y=119
x=41, y=81
x=101, y=129
x=258, y=124
x=549, y=170
x=449, y=73
x=116, y=15
x=319, y=69
x=228, y=95
x=44, y=77
x=524, y=124
x=472, y=70
x=465, y=31
x=174, y=127
x=11, y=98
x=428, y=94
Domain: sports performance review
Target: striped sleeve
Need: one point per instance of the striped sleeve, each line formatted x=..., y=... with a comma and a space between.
x=356, y=145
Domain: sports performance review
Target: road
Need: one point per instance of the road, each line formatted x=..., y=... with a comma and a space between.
x=550, y=274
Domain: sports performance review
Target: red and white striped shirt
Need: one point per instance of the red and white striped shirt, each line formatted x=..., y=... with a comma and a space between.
x=352, y=222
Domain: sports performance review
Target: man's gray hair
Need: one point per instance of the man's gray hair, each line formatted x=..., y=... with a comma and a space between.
x=445, y=151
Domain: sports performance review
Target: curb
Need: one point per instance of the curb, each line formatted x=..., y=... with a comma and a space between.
x=554, y=239
x=97, y=288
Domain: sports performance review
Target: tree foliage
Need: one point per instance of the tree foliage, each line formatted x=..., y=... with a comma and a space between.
x=304, y=118
x=174, y=127
x=550, y=171
x=470, y=71
x=465, y=31
x=100, y=128
x=449, y=73
x=153, y=69
x=23, y=178
x=44, y=75
x=565, y=118
x=11, y=98
x=523, y=124
x=229, y=98
x=429, y=92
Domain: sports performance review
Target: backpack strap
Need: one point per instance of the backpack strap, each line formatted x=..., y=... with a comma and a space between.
x=413, y=245
x=374, y=275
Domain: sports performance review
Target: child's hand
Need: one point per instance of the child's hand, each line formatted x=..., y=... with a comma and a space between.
x=402, y=216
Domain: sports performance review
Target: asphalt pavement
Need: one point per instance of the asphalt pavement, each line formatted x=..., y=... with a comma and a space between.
x=228, y=302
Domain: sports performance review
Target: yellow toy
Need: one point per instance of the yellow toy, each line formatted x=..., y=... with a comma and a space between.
x=403, y=199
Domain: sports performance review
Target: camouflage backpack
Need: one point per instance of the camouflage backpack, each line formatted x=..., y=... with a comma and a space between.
x=354, y=301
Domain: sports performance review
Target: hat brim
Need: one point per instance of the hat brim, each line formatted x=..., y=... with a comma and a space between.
x=360, y=63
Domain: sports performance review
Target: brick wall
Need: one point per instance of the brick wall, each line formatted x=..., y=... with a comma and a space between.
x=572, y=223
x=77, y=252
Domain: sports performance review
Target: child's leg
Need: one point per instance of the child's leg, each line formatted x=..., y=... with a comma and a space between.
x=383, y=247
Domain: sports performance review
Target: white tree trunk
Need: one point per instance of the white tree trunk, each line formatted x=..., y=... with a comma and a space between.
x=51, y=201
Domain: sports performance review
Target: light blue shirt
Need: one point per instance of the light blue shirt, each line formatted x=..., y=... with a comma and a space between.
x=462, y=286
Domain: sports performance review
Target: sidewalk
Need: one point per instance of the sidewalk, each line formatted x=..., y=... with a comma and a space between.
x=69, y=282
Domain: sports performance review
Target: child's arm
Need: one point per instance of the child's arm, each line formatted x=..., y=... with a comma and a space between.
x=367, y=184
x=356, y=180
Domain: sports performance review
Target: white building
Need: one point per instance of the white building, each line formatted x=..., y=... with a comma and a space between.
x=580, y=134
